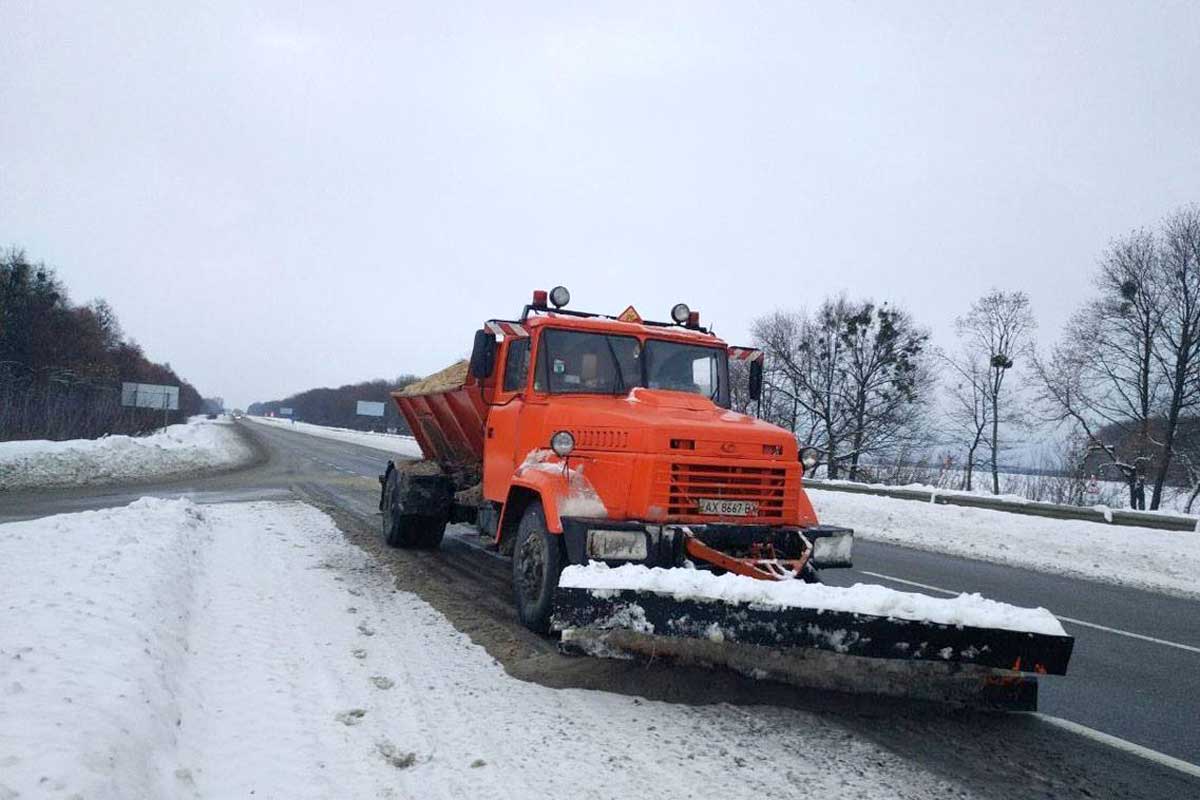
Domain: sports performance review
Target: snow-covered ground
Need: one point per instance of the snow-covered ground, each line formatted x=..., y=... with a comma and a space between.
x=166, y=649
x=199, y=444
x=1166, y=561
x=398, y=444
x=1020, y=488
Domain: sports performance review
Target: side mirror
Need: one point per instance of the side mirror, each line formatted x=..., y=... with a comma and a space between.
x=756, y=367
x=483, y=354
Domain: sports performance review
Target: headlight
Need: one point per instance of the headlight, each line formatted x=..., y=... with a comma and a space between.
x=809, y=457
x=680, y=313
x=562, y=443
x=559, y=296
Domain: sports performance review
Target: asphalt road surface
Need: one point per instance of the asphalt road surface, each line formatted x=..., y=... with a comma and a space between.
x=1138, y=681
x=1145, y=691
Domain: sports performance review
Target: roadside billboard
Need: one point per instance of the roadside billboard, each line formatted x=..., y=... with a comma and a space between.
x=150, y=395
x=369, y=409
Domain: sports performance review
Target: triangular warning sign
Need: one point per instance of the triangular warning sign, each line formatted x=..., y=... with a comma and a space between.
x=630, y=315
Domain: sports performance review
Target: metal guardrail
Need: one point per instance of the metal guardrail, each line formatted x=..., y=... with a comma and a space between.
x=1112, y=516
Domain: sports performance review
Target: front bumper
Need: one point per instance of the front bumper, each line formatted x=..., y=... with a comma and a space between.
x=662, y=545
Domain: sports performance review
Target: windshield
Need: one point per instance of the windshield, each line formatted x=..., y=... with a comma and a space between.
x=571, y=362
x=688, y=368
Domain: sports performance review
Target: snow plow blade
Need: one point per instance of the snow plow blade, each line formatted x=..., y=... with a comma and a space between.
x=836, y=650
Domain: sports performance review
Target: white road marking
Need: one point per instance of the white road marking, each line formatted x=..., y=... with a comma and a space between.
x=1108, y=739
x=1186, y=647
x=1186, y=767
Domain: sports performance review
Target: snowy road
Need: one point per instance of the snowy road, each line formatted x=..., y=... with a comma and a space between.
x=240, y=649
x=1142, y=691
x=1129, y=688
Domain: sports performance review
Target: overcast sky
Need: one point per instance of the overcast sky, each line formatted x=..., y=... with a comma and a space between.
x=304, y=195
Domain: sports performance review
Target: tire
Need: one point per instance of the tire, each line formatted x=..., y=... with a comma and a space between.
x=430, y=532
x=394, y=528
x=402, y=529
x=538, y=560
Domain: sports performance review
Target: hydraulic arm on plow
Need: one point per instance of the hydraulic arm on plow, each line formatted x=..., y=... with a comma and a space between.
x=575, y=439
x=763, y=562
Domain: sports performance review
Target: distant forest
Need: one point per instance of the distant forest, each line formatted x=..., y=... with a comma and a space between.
x=62, y=365
x=338, y=407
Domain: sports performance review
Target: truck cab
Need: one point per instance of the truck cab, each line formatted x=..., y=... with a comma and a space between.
x=612, y=439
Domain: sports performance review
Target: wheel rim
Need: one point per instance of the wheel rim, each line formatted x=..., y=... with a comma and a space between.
x=531, y=568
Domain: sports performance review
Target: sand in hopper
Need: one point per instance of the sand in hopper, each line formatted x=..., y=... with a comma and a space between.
x=452, y=377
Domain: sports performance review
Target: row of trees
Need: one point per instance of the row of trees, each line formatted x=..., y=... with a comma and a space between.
x=338, y=407
x=860, y=381
x=62, y=365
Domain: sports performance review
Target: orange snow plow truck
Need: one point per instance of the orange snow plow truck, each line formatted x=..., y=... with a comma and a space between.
x=573, y=438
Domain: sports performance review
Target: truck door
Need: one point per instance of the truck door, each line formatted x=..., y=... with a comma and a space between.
x=500, y=432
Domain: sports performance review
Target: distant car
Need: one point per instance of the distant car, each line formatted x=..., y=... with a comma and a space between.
x=211, y=416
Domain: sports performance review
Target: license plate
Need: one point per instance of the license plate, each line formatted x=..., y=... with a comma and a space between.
x=728, y=508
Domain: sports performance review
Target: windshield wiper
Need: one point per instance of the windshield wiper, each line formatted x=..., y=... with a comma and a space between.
x=620, y=388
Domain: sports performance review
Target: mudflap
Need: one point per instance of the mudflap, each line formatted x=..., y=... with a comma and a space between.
x=833, y=650
x=383, y=498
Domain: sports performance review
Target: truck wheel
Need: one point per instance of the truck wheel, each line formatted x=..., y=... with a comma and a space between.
x=395, y=527
x=431, y=530
x=401, y=527
x=537, y=562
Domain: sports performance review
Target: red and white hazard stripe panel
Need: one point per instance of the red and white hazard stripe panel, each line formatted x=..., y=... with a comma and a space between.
x=745, y=354
x=506, y=329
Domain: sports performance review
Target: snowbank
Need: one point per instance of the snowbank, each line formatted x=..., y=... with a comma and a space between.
x=1166, y=561
x=198, y=445
x=405, y=446
x=1112, y=495
x=170, y=650
x=96, y=608
x=966, y=609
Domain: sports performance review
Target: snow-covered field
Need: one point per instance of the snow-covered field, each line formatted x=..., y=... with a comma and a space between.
x=166, y=649
x=1020, y=488
x=199, y=444
x=388, y=442
x=1166, y=561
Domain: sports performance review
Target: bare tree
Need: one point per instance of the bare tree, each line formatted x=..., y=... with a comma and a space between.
x=886, y=377
x=802, y=375
x=968, y=413
x=994, y=332
x=850, y=380
x=1106, y=376
x=1177, y=349
x=1187, y=452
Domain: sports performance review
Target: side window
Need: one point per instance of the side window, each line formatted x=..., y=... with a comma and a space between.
x=516, y=367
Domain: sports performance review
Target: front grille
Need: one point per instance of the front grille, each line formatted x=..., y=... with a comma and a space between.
x=600, y=438
x=679, y=486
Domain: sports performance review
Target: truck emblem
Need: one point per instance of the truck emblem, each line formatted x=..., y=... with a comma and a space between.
x=728, y=447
